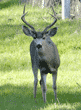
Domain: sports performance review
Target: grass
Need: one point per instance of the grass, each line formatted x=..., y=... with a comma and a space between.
x=16, y=78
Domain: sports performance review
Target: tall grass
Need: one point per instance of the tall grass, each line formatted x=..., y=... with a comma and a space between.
x=16, y=78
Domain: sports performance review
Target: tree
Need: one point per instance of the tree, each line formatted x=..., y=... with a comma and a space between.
x=42, y=3
x=65, y=9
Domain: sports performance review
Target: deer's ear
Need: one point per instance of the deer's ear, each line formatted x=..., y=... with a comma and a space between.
x=52, y=31
x=28, y=32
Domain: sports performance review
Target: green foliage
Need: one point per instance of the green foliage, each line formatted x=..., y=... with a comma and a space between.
x=16, y=78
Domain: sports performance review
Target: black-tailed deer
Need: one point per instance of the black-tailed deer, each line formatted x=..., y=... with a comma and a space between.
x=44, y=55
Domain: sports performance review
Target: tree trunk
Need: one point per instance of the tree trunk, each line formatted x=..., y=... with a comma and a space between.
x=65, y=9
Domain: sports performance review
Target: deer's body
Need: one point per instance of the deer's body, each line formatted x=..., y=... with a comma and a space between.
x=46, y=58
x=44, y=55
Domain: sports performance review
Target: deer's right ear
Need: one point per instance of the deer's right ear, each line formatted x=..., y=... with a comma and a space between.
x=29, y=32
x=26, y=31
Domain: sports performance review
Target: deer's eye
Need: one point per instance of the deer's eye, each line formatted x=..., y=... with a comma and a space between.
x=43, y=37
x=34, y=37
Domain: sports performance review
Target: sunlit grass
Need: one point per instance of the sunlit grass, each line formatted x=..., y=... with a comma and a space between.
x=16, y=77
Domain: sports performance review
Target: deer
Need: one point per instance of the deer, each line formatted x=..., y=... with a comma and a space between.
x=44, y=55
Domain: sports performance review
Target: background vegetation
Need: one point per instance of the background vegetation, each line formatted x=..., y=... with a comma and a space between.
x=16, y=78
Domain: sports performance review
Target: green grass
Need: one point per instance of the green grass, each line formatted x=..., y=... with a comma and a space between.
x=16, y=77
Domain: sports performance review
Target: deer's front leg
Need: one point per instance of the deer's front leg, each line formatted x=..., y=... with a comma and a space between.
x=35, y=72
x=43, y=86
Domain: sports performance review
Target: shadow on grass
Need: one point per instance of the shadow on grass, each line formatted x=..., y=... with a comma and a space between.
x=18, y=97
x=9, y=31
x=21, y=97
x=8, y=3
x=5, y=4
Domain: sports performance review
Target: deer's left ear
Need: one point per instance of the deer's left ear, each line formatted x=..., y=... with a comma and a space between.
x=52, y=31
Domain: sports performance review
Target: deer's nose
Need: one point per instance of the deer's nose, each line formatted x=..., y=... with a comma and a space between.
x=39, y=46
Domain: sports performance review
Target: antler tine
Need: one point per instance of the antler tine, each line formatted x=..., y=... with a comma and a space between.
x=23, y=19
x=53, y=12
x=52, y=23
x=49, y=26
x=24, y=9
